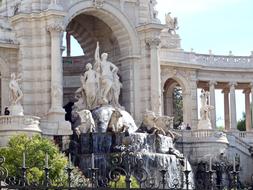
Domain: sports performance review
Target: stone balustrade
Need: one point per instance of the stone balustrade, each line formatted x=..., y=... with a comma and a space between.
x=13, y=125
x=246, y=136
x=204, y=135
x=192, y=58
x=7, y=122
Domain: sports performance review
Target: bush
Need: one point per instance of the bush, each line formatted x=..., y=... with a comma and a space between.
x=121, y=183
x=35, y=149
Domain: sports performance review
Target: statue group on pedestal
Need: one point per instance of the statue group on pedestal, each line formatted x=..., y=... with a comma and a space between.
x=100, y=84
x=205, y=107
x=171, y=23
x=204, y=122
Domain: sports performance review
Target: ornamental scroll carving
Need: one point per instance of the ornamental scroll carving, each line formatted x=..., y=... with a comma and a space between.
x=98, y=3
x=55, y=27
x=153, y=42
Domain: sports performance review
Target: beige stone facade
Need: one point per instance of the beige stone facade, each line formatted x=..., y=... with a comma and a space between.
x=149, y=58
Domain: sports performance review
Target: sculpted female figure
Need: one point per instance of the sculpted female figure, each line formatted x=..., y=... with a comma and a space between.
x=107, y=71
x=90, y=85
x=15, y=92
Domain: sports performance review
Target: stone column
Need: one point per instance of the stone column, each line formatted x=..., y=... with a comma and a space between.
x=212, y=103
x=233, y=121
x=56, y=68
x=226, y=109
x=68, y=43
x=251, y=105
x=247, y=109
x=155, y=80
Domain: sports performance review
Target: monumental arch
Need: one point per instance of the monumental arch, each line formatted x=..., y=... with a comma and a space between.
x=150, y=61
x=116, y=36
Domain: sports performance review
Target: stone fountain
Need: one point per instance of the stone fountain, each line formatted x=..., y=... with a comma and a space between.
x=103, y=130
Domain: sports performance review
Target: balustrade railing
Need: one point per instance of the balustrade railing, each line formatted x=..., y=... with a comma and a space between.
x=205, y=59
x=19, y=120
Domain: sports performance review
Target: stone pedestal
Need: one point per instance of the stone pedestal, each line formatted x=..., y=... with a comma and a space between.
x=16, y=110
x=55, y=125
x=204, y=124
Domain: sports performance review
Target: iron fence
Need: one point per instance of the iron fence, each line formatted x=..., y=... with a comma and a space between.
x=126, y=164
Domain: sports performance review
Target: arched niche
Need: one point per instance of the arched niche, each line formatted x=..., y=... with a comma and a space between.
x=173, y=101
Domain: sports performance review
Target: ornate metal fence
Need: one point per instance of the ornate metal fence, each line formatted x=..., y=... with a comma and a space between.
x=124, y=164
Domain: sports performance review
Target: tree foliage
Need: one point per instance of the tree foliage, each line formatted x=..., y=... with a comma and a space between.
x=35, y=149
x=121, y=183
x=241, y=125
x=177, y=106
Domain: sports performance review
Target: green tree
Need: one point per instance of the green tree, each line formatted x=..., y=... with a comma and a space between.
x=121, y=183
x=177, y=106
x=241, y=125
x=35, y=149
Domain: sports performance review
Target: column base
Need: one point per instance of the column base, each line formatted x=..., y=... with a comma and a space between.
x=55, y=124
x=59, y=110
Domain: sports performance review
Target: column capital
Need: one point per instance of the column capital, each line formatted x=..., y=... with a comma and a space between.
x=247, y=91
x=212, y=83
x=225, y=91
x=251, y=85
x=153, y=42
x=55, y=27
x=232, y=84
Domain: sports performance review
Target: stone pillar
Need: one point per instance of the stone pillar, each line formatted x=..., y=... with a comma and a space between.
x=247, y=109
x=226, y=109
x=251, y=105
x=212, y=103
x=233, y=121
x=56, y=69
x=155, y=80
x=68, y=43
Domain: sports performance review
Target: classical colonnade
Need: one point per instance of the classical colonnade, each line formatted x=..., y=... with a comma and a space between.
x=228, y=90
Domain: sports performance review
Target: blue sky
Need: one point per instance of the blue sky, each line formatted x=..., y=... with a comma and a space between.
x=220, y=25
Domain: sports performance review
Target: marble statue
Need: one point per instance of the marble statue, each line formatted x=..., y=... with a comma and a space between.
x=90, y=86
x=115, y=124
x=115, y=91
x=87, y=123
x=110, y=119
x=87, y=93
x=205, y=109
x=15, y=92
x=100, y=86
x=153, y=11
x=156, y=124
x=148, y=124
x=171, y=23
x=16, y=95
x=107, y=71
